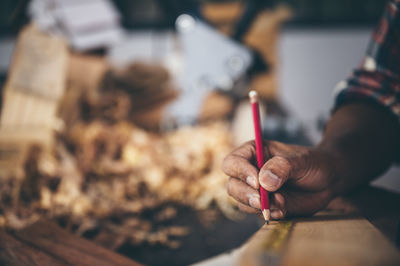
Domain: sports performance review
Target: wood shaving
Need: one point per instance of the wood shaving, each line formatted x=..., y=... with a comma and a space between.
x=108, y=178
x=105, y=177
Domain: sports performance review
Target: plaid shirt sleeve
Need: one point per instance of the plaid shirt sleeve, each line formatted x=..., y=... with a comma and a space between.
x=377, y=79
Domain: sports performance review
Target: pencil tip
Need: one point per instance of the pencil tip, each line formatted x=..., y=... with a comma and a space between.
x=267, y=215
x=267, y=222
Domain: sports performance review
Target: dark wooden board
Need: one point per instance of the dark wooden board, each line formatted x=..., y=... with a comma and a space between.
x=15, y=252
x=44, y=243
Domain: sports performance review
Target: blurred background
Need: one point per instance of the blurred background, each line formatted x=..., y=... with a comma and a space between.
x=318, y=46
x=169, y=73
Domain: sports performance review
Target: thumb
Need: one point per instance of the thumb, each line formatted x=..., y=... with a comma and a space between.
x=276, y=171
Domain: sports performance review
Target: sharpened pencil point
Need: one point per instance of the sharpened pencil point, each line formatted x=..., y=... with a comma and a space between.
x=267, y=222
x=267, y=215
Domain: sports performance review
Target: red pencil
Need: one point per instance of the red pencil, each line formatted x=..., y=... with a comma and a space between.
x=260, y=155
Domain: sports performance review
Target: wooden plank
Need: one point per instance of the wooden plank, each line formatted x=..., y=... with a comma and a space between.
x=266, y=247
x=357, y=229
x=328, y=238
x=15, y=252
x=72, y=250
x=338, y=240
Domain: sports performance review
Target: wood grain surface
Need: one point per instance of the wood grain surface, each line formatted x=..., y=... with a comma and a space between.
x=266, y=247
x=357, y=229
x=336, y=239
x=328, y=238
x=15, y=252
x=44, y=243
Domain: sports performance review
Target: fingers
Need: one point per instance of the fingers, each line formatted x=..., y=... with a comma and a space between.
x=238, y=165
x=305, y=203
x=282, y=204
x=274, y=173
x=291, y=204
x=278, y=210
x=305, y=194
x=243, y=193
x=249, y=199
x=248, y=209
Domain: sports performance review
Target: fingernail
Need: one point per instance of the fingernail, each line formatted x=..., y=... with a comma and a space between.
x=277, y=214
x=254, y=201
x=269, y=179
x=252, y=181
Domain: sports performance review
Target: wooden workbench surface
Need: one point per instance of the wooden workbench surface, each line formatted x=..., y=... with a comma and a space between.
x=358, y=229
x=44, y=243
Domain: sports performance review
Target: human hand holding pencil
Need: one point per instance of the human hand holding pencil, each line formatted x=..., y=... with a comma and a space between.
x=300, y=178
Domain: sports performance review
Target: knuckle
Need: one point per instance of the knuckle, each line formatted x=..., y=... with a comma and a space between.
x=225, y=164
x=245, y=148
x=230, y=186
x=249, y=143
x=228, y=164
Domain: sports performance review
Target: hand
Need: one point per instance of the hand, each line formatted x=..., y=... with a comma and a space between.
x=303, y=179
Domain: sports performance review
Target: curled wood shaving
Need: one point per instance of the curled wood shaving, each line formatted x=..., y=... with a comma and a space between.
x=104, y=177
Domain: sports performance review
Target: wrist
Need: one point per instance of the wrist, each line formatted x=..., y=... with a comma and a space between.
x=334, y=169
x=362, y=141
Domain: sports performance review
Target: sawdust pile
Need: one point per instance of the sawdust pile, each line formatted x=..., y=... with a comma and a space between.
x=107, y=177
x=115, y=174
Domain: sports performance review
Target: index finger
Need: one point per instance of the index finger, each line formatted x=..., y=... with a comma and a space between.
x=238, y=164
